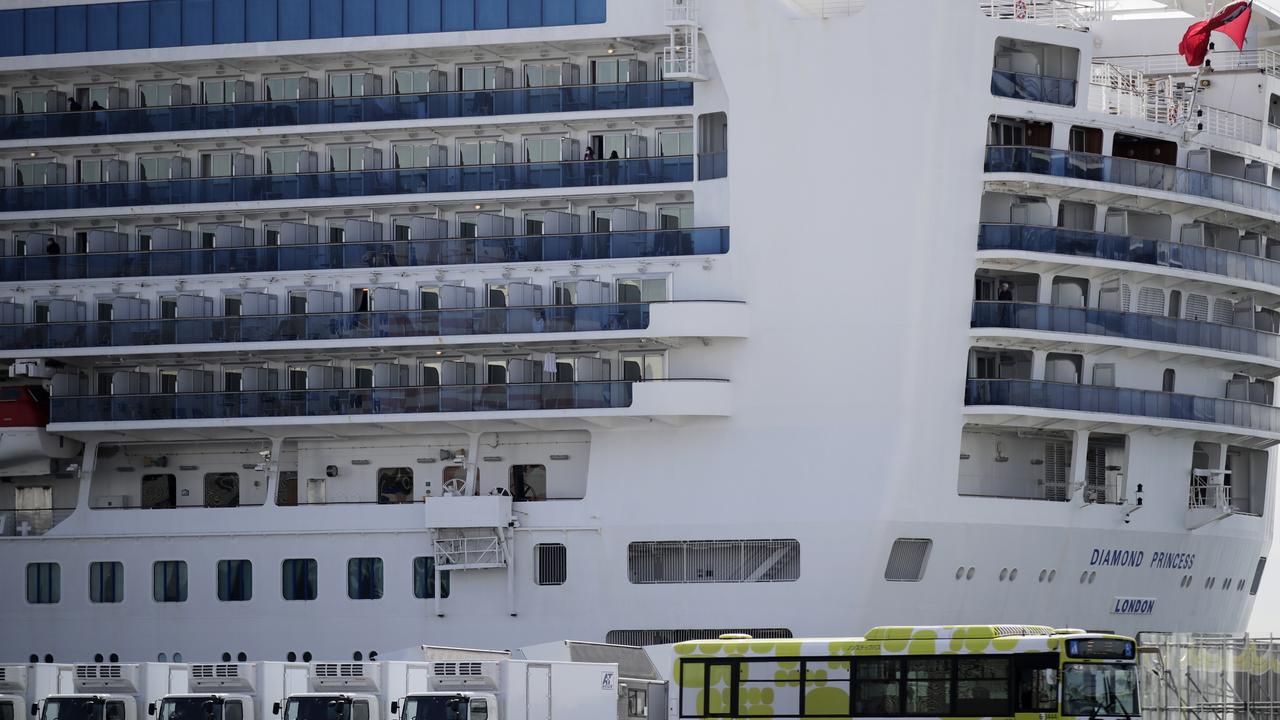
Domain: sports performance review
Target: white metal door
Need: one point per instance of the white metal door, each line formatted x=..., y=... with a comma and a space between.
x=539, y=692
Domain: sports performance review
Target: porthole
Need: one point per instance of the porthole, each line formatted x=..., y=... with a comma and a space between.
x=162, y=657
x=373, y=655
x=48, y=657
x=306, y=656
x=960, y=572
x=1043, y=575
x=34, y=658
x=1084, y=576
x=357, y=656
x=969, y=575
x=114, y=658
x=292, y=656
x=177, y=657
x=1092, y=577
x=1052, y=574
x=1004, y=573
x=241, y=657
x=97, y=657
x=1013, y=574
x=226, y=657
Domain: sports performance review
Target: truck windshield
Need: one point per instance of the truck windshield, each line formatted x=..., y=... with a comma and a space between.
x=1096, y=690
x=435, y=708
x=6, y=710
x=317, y=708
x=82, y=708
x=191, y=708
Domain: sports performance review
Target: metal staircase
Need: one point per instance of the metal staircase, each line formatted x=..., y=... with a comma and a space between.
x=471, y=533
x=680, y=58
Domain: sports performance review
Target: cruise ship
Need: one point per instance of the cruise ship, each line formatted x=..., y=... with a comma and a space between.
x=336, y=327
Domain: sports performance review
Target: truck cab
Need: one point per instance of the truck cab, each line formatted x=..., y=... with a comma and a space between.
x=331, y=706
x=203, y=706
x=12, y=707
x=447, y=706
x=86, y=706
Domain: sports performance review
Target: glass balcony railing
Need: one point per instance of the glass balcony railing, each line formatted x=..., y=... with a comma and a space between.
x=1134, y=326
x=356, y=183
x=379, y=108
x=1134, y=173
x=713, y=165
x=362, y=255
x=1079, y=243
x=31, y=522
x=1037, y=88
x=1122, y=401
x=343, y=401
x=327, y=326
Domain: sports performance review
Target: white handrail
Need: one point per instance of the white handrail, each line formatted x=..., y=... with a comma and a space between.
x=1268, y=61
x=1070, y=13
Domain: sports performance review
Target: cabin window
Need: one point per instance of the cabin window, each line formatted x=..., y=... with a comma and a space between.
x=364, y=579
x=298, y=579
x=424, y=578
x=287, y=492
x=528, y=482
x=1167, y=381
x=169, y=581
x=222, y=490
x=106, y=582
x=159, y=491
x=235, y=581
x=44, y=583
x=395, y=485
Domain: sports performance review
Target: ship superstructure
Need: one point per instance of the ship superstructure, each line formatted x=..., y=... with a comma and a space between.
x=341, y=326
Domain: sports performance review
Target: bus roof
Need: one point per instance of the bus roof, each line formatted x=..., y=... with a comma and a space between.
x=913, y=638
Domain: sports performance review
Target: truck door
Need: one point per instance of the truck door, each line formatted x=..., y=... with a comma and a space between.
x=539, y=692
x=7, y=709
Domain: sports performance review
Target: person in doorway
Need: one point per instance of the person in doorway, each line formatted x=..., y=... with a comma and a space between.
x=589, y=154
x=612, y=168
x=73, y=105
x=52, y=247
x=1005, y=292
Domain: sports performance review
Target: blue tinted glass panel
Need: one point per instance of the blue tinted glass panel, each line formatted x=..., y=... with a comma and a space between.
x=10, y=32
x=39, y=29
x=197, y=22
x=135, y=25
x=392, y=17
x=260, y=20
x=590, y=11
x=458, y=15
x=557, y=12
x=424, y=16
x=103, y=27
x=166, y=23
x=491, y=14
x=228, y=21
x=71, y=23
x=326, y=18
x=357, y=18
x=295, y=20
x=525, y=13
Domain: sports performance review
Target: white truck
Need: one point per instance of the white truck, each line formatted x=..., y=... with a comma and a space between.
x=505, y=689
x=114, y=691
x=339, y=691
x=232, y=691
x=23, y=686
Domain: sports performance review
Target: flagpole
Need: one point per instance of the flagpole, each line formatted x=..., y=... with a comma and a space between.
x=1187, y=132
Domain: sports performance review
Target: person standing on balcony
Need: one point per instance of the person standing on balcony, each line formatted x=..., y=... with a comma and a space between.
x=52, y=247
x=1005, y=293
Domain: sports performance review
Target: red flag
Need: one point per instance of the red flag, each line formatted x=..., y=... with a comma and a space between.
x=1232, y=21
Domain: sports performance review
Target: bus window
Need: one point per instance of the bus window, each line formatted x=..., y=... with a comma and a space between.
x=982, y=686
x=876, y=690
x=1038, y=684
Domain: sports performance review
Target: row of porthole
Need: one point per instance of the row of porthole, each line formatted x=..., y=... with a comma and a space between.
x=1209, y=582
x=1010, y=574
x=356, y=656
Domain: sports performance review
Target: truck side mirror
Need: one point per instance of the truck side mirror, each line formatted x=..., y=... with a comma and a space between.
x=151, y=708
x=275, y=708
x=35, y=709
x=395, y=706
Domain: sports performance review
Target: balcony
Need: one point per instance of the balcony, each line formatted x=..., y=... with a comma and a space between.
x=1132, y=326
x=709, y=318
x=1253, y=418
x=1036, y=88
x=1133, y=173
x=31, y=522
x=358, y=255
x=360, y=183
x=1122, y=248
x=321, y=111
x=449, y=403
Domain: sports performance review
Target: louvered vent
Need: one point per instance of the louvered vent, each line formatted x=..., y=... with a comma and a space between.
x=907, y=559
x=456, y=668
x=1055, y=471
x=1126, y=297
x=1223, y=311
x=345, y=675
x=1197, y=307
x=339, y=670
x=98, y=672
x=217, y=671
x=1150, y=301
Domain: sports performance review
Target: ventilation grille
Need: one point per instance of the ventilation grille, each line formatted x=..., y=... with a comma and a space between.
x=1150, y=301
x=1126, y=297
x=551, y=564
x=1257, y=576
x=1197, y=307
x=339, y=670
x=1223, y=311
x=907, y=559
x=1055, y=471
x=713, y=561
x=99, y=672
x=664, y=637
x=213, y=672
x=468, y=669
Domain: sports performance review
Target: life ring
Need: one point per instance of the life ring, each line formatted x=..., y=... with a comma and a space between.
x=1020, y=9
x=1173, y=114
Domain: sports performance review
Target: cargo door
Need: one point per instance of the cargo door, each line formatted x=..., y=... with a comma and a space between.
x=538, y=692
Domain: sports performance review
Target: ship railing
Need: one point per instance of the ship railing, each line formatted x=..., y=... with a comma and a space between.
x=1129, y=92
x=1066, y=13
x=1265, y=61
x=1208, y=495
x=31, y=522
x=1224, y=123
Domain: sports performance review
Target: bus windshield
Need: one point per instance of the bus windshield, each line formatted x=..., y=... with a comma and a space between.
x=1097, y=690
x=191, y=708
x=435, y=708
x=316, y=708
